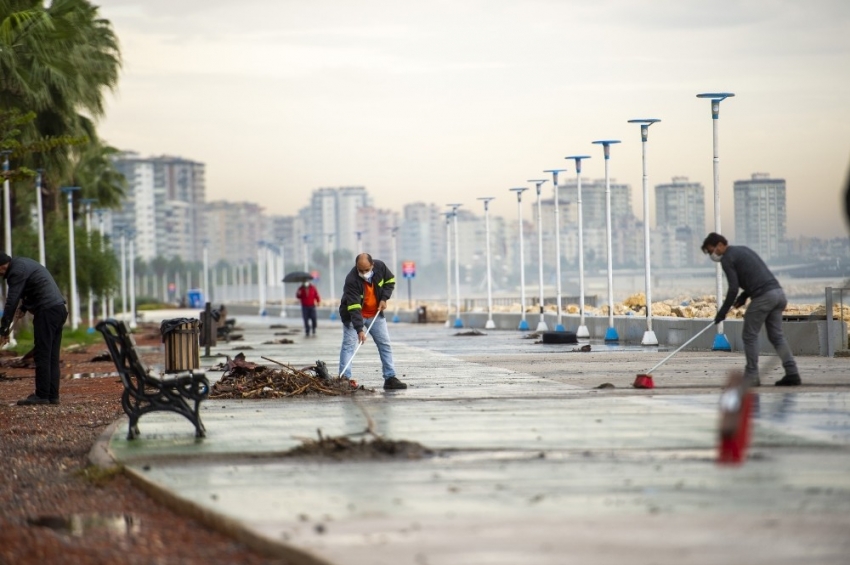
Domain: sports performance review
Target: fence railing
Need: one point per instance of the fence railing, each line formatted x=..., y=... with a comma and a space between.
x=470, y=304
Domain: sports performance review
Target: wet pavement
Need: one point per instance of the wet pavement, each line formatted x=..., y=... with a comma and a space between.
x=533, y=464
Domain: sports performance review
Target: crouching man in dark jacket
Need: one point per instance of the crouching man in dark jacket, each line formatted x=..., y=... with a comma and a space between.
x=367, y=288
x=31, y=288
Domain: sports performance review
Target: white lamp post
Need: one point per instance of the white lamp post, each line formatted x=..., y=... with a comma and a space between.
x=261, y=277
x=75, y=299
x=721, y=343
x=448, y=267
x=541, y=325
x=104, y=302
x=305, y=238
x=331, y=263
x=559, y=327
x=611, y=332
x=7, y=204
x=582, y=328
x=205, y=286
x=523, y=324
x=490, y=323
x=395, y=269
x=88, y=202
x=132, y=278
x=649, y=335
x=458, y=321
x=42, y=258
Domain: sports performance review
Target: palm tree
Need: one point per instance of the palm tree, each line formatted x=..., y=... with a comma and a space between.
x=94, y=171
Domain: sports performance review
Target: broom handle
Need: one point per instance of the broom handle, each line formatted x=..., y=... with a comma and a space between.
x=359, y=343
x=681, y=347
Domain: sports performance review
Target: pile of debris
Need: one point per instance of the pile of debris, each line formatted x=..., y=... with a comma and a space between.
x=242, y=379
x=345, y=448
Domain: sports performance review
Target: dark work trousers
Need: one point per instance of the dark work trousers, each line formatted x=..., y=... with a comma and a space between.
x=309, y=315
x=47, y=327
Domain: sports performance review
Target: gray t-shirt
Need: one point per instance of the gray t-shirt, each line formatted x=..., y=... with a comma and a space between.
x=745, y=270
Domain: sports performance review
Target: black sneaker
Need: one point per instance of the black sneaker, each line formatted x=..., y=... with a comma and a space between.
x=54, y=401
x=32, y=400
x=393, y=383
x=789, y=380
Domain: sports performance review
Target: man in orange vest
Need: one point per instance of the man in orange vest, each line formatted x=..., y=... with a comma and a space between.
x=367, y=288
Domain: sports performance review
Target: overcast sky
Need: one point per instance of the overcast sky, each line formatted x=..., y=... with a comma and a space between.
x=450, y=100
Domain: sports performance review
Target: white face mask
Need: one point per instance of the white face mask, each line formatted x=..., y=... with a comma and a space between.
x=716, y=258
x=306, y=284
x=366, y=276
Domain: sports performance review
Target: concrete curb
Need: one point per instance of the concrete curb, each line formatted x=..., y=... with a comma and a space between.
x=101, y=456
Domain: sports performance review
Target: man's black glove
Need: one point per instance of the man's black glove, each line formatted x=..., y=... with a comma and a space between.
x=718, y=318
x=740, y=302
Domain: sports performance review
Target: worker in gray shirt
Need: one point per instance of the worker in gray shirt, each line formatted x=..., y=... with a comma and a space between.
x=745, y=270
x=31, y=288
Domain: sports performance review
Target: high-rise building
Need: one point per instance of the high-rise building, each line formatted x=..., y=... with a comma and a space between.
x=679, y=223
x=164, y=206
x=760, y=214
x=680, y=203
x=234, y=230
x=422, y=234
x=334, y=211
x=375, y=226
x=135, y=217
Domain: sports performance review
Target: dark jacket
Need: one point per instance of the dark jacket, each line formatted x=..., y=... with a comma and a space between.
x=351, y=303
x=31, y=284
x=745, y=270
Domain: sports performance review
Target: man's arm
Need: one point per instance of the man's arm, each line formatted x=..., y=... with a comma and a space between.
x=13, y=296
x=731, y=294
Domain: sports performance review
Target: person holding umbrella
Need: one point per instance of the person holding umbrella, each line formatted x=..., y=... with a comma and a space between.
x=309, y=297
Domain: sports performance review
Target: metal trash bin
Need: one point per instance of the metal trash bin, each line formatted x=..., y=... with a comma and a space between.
x=182, y=352
x=421, y=315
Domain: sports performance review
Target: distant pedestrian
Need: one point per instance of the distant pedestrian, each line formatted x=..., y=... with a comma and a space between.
x=31, y=288
x=367, y=288
x=745, y=270
x=309, y=297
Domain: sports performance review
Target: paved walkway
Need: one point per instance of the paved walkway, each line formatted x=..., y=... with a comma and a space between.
x=534, y=465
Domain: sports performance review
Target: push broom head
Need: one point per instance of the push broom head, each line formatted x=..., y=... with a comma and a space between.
x=643, y=381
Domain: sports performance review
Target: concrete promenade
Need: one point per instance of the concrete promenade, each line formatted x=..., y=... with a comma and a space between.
x=533, y=464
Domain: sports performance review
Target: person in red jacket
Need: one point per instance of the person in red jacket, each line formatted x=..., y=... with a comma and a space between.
x=309, y=297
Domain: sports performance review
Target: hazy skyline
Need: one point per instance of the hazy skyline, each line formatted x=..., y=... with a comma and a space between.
x=448, y=101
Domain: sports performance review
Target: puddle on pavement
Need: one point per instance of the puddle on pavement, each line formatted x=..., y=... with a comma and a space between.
x=80, y=525
x=91, y=375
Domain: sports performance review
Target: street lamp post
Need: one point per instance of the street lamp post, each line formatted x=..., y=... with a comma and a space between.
x=331, y=265
x=394, y=232
x=88, y=202
x=448, y=267
x=523, y=324
x=42, y=257
x=458, y=321
x=305, y=238
x=205, y=286
x=582, y=328
x=559, y=327
x=132, y=278
x=104, y=302
x=721, y=343
x=123, y=247
x=261, y=277
x=611, y=332
x=541, y=325
x=75, y=299
x=490, y=323
x=649, y=335
x=7, y=204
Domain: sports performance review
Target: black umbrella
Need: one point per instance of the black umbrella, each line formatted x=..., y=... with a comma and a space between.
x=297, y=277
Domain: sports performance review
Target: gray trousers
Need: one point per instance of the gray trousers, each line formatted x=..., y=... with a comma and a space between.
x=766, y=310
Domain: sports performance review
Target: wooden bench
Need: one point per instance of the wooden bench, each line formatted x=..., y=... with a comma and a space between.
x=143, y=392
